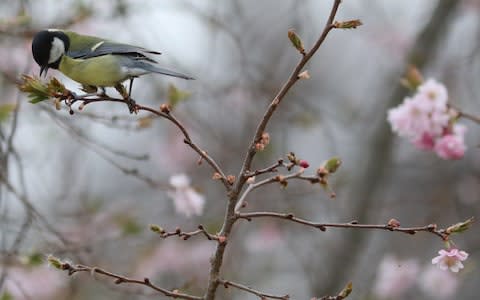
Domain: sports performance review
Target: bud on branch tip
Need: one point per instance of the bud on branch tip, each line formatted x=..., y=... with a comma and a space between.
x=351, y=24
x=296, y=41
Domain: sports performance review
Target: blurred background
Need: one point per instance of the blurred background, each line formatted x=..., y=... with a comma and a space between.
x=86, y=187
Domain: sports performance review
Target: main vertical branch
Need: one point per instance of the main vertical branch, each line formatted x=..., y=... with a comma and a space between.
x=229, y=219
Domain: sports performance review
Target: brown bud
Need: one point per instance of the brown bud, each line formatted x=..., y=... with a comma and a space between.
x=304, y=75
x=393, y=223
x=165, y=108
x=231, y=179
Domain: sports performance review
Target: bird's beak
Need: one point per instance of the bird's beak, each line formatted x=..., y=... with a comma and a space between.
x=43, y=69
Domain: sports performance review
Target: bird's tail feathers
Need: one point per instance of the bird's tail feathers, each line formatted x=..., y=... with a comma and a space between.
x=154, y=69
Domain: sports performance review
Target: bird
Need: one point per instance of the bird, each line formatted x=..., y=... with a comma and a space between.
x=95, y=62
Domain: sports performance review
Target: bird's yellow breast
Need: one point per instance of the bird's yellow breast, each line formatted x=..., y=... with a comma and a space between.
x=97, y=71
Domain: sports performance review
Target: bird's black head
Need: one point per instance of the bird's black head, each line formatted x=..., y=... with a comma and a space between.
x=48, y=46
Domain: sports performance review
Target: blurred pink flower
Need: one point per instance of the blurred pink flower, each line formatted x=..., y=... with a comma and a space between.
x=452, y=146
x=176, y=256
x=39, y=283
x=409, y=119
x=266, y=238
x=435, y=93
x=438, y=284
x=425, y=120
x=395, y=277
x=450, y=259
x=187, y=200
x=172, y=155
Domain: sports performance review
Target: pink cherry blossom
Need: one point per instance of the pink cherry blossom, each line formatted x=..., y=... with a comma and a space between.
x=409, y=119
x=450, y=259
x=435, y=93
x=452, y=145
x=187, y=200
x=426, y=121
x=438, y=284
x=395, y=277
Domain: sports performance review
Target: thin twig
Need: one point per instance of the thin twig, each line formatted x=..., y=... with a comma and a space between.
x=462, y=114
x=432, y=228
x=279, y=178
x=272, y=169
x=185, y=235
x=261, y=295
x=119, y=279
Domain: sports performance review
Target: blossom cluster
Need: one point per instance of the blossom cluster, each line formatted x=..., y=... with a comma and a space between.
x=428, y=122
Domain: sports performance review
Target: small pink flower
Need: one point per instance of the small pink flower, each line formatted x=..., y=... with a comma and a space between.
x=395, y=277
x=450, y=259
x=435, y=93
x=438, y=284
x=452, y=145
x=186, y=199
x=409, y=119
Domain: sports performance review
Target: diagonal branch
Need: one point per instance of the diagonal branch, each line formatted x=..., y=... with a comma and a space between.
x=70, y=98
x=294, y=77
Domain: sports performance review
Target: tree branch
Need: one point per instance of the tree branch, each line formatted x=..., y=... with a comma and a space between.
x=282, y=179
x=119, y=279
x=70, y=98
x=229, y=218
x=283, y=91
x=432, y=228
x=261, y=295
x=183, y=234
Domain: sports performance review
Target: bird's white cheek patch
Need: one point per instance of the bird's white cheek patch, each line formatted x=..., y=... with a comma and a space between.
x=57, y=50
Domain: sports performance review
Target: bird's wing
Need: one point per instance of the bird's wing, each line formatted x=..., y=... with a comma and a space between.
x=94, y=46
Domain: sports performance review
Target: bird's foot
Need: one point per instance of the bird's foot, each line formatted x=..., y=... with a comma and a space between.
x=132, y=105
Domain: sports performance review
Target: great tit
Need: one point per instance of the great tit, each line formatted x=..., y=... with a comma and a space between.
x=93, y=61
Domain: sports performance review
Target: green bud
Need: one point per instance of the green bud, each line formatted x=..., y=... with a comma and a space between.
x=332, y=164
x=39, y=91
x=55, y=262
x=348, y=24
x=157, y=229
x=347, y=290
x=460, y=227
x=296, y=41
